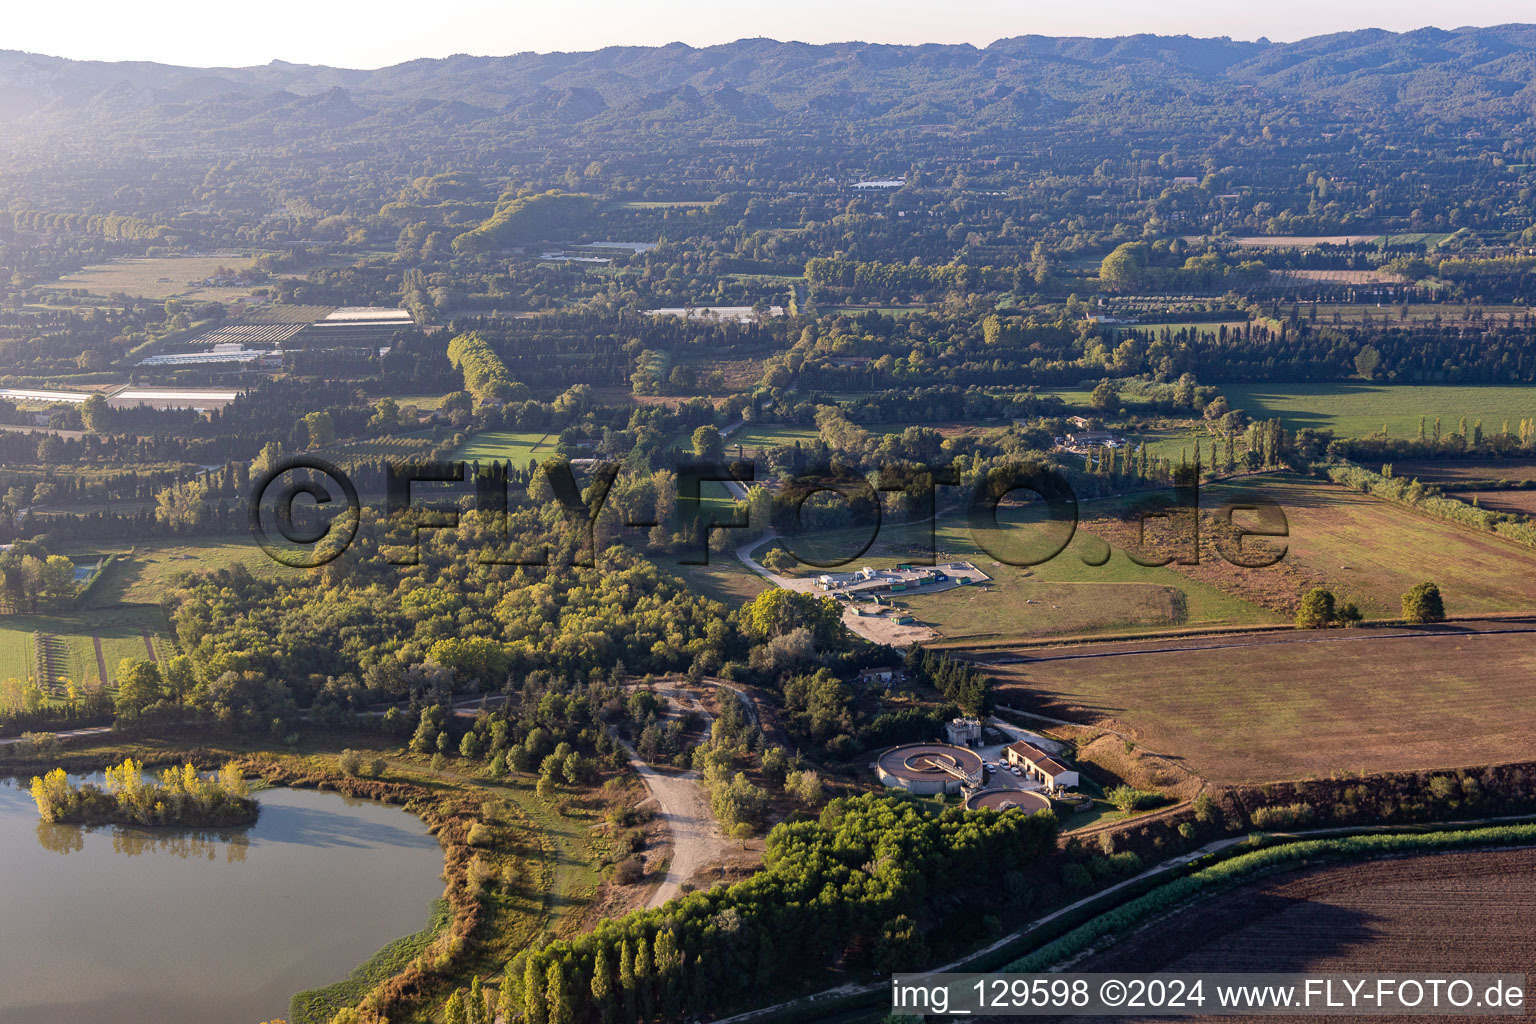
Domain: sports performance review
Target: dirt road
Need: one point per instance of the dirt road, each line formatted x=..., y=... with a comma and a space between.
x=696, y=836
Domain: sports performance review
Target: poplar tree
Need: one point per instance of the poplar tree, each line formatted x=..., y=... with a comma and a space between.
x=533, y=995
x=602, y=986
x=627, y=979
x=558, y=1000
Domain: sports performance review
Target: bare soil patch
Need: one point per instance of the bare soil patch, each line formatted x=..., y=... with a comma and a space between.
x=1443, y=913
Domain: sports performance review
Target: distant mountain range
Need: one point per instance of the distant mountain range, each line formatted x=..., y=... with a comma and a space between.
x=1429, y=74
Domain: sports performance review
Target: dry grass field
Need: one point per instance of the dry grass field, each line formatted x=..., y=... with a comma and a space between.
x=1363, y=549
x=162, y=277
x=1297, y=704
x=1372, y=551
x=1437, y=914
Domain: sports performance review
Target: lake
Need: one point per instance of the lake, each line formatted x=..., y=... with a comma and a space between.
x=155, y=926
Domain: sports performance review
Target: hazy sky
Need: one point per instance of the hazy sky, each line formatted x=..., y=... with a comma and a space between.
x=361, y=34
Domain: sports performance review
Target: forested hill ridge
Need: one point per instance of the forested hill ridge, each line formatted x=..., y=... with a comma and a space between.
x=1429, y=74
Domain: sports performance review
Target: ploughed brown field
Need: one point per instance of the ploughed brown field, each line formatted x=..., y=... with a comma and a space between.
x=1521, y=502
x=1450, y=470
x=1300, y=704
x=1461, y=912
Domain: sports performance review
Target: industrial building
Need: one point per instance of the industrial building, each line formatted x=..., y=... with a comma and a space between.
x=1037, y=764
x=369, y=327
x=870, y=582
x=963, y=732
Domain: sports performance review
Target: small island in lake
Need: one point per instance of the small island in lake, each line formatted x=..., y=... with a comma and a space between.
x=181, y=797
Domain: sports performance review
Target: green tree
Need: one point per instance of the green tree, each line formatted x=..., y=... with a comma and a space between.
x=1424, y=604
x=534, y=1007
x=602, y=986
x=708, y=444
x=627, y=992
x=1366, y=362
x=900, y=947
x=780, y=561
x=1105, y=397
x=804, y=786
x=319, y=428
x=556, y=998
x=183, y=505
x=95, y=413
x=138, y=686
x=1316, y=609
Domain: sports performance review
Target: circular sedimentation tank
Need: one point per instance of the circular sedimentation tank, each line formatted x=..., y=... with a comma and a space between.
x=1027, y=801
x=927, y=768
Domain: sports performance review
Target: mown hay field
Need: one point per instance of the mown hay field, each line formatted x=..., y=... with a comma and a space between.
x=160, y=277
x=1362, y=409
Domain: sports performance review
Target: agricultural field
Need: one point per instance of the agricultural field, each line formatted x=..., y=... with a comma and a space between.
x=280, y=313
x=1298, y=241
x=82, y=646
x=1301, y=278
x=1361, y=410
x=1336, y=701
x=1515, y=502
x=1387, y=313
x=882, y=310
x=143, y=574
x=1471, y=481
x=1353, y=917
x=419, y=401
x=1373, y=551
x=374, y=449
x=1363, y=549
x=1067, y=596
x=755, y=436
x=1453, y=471
x=161, y=277
x=519, y=446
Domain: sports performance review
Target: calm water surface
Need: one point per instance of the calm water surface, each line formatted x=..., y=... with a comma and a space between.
x=168, y=927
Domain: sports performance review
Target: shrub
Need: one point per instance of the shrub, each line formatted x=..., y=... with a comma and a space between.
x=630, y=871
x=1283, y=816
x=351, y=763
x=1076, y=878
x=1128, y=798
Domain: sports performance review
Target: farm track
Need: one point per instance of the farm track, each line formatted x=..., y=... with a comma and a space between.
x=1248, y=639
x=101, y=658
